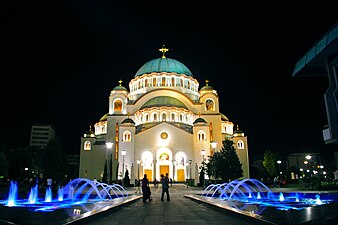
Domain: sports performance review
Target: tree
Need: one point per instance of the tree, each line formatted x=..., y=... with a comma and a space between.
x=225, y=164
x=269, y=163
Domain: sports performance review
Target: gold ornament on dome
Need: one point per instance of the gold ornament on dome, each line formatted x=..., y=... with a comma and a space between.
x=164, y=135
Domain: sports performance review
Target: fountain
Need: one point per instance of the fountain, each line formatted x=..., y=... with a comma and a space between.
x=78, y=199
x=255, y=201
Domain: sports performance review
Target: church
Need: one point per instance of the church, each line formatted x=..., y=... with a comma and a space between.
x=164, y=123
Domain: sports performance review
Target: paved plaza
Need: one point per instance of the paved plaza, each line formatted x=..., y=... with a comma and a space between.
x=179, y=211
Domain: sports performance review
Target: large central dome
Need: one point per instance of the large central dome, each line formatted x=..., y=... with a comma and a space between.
x=163, y=65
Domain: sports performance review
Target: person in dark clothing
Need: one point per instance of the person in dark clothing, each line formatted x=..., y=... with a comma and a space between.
x=145, y=188
x=165, y=186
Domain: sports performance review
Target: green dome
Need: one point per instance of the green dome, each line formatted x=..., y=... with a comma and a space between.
x=120, y=88
x=128, y=120
x=199, y=120
x=163, y=65
x=163, y=101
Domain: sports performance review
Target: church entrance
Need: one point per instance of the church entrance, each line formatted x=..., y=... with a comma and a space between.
x=149, y=173
x=164, y=169
x=180, y=175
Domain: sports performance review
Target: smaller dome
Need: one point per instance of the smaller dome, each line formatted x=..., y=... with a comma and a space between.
x=207, y=87
x=160, y=101
x=199, y=120
x=120, y=87
x=128, y=120
x=238, y=132
x=89, y=133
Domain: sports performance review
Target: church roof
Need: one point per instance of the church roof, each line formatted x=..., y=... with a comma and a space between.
x=200, y=120
x=128, y=120
x=120, y=87
x=163, y=101
x=163, y=65
x=207, y=87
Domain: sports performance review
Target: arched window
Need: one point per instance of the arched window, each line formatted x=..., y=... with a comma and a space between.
x=146, y=82
x=172, y=117
x=163, y=81
x=155, y=117
x=209, y=105
x=172, y=81
x=127, y=136
x=87, y=146
x=240, y=144
x=201, y=136
x=164, y=117
x=118, y=105
x=181, y=118
x=154, y=81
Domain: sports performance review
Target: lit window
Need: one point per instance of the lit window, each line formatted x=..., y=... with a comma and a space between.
x=201, y=136
x=127, y=136
x=240, y=144
x=164, y=117
x=173, y=117
x=87, y=146
x=118, y=105
x=209, y=105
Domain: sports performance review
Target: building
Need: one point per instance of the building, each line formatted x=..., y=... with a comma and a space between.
x=322, y=60
x=41, y=134
x=163, y=124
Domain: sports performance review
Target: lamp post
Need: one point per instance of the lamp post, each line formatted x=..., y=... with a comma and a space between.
x=279, y=162
x=123, y=152
x=138, y=169
x=190, y=161
x=109, y=146
x=203, y=154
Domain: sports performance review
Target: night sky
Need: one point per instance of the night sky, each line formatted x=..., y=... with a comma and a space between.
x=61, y=59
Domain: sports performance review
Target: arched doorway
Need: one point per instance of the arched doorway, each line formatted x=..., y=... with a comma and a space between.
x=180, y=166
x=147, y=164
x=164, y=163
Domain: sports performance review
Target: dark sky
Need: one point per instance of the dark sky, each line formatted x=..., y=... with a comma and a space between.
x=61, y=59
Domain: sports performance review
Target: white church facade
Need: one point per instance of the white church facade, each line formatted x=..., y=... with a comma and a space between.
x=163, y=124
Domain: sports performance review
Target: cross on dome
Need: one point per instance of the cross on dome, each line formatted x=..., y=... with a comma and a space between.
x=120, y=81
x=163, y=50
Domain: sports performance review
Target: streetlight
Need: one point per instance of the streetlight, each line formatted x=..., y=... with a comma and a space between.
x=190, y=161
x=138, y=169
x=123, y=152
x=279, y=162
x=109, y=146
x=203, y=154
x=213, y=145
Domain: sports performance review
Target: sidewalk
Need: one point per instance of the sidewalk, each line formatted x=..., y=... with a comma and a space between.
x=179, y=211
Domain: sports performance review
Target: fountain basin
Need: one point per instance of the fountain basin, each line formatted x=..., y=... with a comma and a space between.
x=254, y=201
x=80, y=199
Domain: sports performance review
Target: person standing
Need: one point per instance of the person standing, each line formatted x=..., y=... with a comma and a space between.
x=165, y=186
x=145, y=188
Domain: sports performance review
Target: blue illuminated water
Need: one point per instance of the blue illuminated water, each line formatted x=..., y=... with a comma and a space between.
x=77, y=191
x=242, y=193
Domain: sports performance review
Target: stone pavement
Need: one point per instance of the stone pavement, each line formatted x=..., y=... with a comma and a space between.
x=180, y=210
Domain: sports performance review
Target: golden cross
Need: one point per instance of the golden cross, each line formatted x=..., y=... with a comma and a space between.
x=120, y=81
x=206, y=82
x=163, y=50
